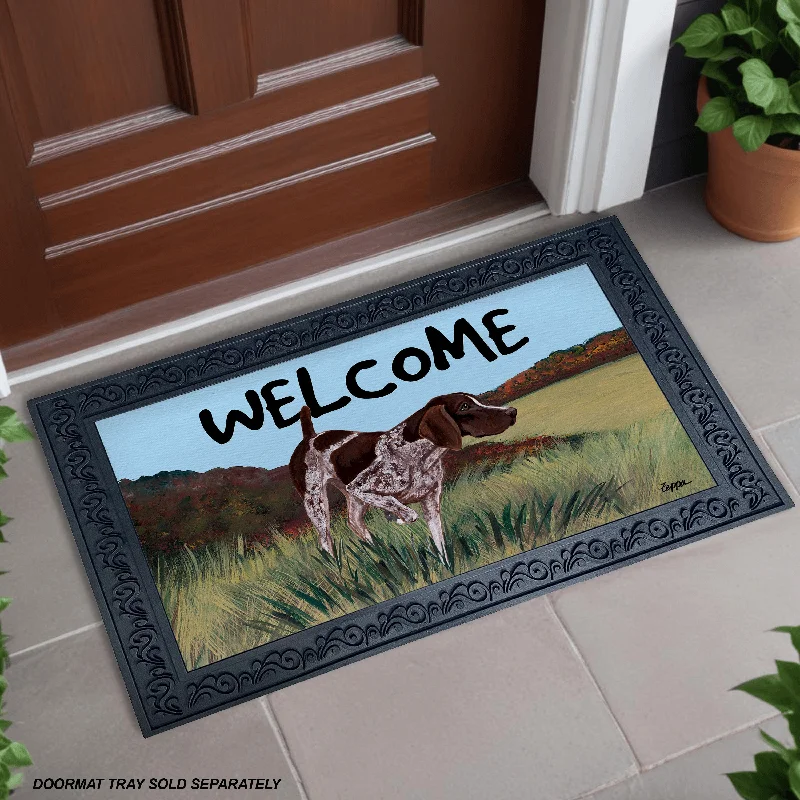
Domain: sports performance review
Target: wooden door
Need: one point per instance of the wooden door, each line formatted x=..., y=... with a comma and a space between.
x=149, y=145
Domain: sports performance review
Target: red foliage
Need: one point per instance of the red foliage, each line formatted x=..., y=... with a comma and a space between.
x=602, y=349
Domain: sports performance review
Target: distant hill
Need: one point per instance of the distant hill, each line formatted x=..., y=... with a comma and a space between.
x=177, y=508
x=601, y=349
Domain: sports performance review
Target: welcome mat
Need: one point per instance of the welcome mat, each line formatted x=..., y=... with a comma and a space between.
x=267, y=508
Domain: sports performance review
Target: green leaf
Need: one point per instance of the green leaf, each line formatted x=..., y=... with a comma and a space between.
x=5, y=602
x=5, y=724
x=728, y=53
x=789, y=10
x=789, y=673
x=749, y=785
x=735, y=18
x=768, y=689
x=706, y=51
x=783, y=102
x=772, y=770
x=794, y=727
x=16, y=755
x=717, y=114
x=14, y=781
x=751, y=132
x=792, y=630
x=12, y=428
x=787, y=754
x=758, y=82
x=705, y=30
x=714, y=70
x=794, y=778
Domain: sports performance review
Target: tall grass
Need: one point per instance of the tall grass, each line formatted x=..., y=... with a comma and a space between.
x=226, y=599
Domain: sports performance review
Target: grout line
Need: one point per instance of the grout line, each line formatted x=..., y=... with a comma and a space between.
x=596, y=685
x=287, y=754
x=609, y=785
x=780, y=470
x=740, y=729
x=56, y=639
x=770, y=425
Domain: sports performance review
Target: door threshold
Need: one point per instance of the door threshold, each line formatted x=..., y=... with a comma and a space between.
x=276, y=281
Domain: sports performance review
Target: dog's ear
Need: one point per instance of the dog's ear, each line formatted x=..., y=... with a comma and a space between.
x=440, y=428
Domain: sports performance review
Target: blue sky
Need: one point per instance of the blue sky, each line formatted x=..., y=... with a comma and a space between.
x=555, y=313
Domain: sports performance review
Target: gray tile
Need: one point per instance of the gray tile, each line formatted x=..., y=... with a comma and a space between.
x=498, y=707
x=784, y=441
x=737, y=298
x=71, y=710
x=668, y=637
x=700, y=773
x=45, y=575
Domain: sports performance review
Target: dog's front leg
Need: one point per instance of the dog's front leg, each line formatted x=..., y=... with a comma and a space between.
x=431, y=511
x=385, y=502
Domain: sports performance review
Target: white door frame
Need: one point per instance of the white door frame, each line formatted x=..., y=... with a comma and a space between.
x=602, y=68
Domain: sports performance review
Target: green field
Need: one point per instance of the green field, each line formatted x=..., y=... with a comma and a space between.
x=225, y=599
x=605, y=398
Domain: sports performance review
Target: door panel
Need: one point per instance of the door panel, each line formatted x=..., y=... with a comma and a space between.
x=89, y=61
x=160, y=143
x=289, y=32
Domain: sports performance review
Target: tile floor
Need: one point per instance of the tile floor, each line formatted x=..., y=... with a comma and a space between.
x=614, y=688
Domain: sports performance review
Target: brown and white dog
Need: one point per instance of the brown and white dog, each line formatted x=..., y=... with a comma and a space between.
x=389, y=469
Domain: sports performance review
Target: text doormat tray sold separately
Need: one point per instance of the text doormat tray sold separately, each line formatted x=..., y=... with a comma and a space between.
x=267, y=508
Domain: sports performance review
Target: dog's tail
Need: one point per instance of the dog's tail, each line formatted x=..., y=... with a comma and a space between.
x=306, y=424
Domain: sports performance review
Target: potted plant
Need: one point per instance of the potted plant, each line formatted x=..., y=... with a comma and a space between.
x=13, y=755
x=777, y=770
x=749, y=104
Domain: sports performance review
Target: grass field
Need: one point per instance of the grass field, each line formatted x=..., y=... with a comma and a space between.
x=605, y=398
x=226, y=599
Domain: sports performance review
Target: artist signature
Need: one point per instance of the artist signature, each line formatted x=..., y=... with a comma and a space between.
x=673, y=487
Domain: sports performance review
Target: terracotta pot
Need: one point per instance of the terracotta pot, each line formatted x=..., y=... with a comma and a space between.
x=756, y=195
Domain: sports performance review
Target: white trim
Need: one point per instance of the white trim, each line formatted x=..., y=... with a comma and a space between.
x=5, y=386
x=273, y=297
x=600, y=82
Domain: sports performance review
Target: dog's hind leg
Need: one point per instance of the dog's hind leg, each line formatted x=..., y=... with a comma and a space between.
x=431, y=511
x=355, y=518
x=318, y=510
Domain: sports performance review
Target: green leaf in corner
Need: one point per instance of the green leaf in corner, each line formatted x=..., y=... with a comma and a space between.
x=771, y=768
x=14, y=781
x=717, y=114
x=782, y=102
x=769, y=689
x=12, y=428
x=794, y=727
x=789, y=673
x=749, y=786
x=789, y=10
x=751, y=132
x=794, y=778
x=16, y=755
x=5, y=602
x=793, y=631
x=758, y=81
x=735, y=18
x=705, y=30
x=786, y=753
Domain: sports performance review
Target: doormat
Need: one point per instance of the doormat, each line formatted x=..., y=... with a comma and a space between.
x=261, y=510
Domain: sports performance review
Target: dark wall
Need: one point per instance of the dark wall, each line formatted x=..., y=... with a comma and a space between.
x=679, y=148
